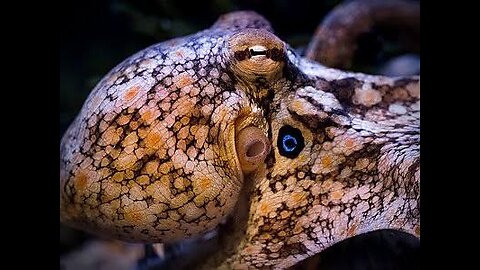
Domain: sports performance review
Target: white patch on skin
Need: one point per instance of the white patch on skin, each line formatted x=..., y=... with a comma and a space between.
x=328, y=100
x=166, y=70
x=370, y=126
x=168, y=62
x=312, y=68
x=349, y=195
x=209, y=90
x=218, y=42
x=182, y=55
x=202, y=72
x=364, y=194
x=214, y=73
x=415, y=106
x=189, y=65
x=204, y=49
x=211, y=60
x=397, y=109
x=303, y=107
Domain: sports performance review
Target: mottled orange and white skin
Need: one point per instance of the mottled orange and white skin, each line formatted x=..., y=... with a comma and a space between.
x=184, y=134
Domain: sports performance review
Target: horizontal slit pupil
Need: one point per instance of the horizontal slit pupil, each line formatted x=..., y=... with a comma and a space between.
x=255, y=53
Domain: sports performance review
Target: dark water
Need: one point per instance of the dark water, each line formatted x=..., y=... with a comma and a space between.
x=97, y=35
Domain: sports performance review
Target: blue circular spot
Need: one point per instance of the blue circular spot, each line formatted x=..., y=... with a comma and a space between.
x=289, y=143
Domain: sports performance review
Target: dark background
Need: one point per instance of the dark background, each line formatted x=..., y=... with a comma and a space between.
x=97, y=35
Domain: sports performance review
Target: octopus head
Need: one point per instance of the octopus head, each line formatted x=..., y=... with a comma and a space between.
x=161, y=147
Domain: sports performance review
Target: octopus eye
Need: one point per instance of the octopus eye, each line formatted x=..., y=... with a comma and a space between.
x=256, y=53
x=252, y=148
x=290, y=141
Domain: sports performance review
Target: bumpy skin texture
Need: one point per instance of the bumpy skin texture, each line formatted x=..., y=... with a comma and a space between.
x=151, y=157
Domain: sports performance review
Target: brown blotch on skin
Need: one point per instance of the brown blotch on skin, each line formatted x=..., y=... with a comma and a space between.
x=204, y=183
x=81, y=180
x=417, y=230
x=151, y=167
x=298, y=197
x=147, y=116
x=242, y=55
x=336, y=195
x=125, y=161
x=264, y=208
x=110, y=136
x=182, y=80
x=201, y=185
x=352, y=231
x=327, y=161
x=154, y=140
x=124, y=119
x=180, y=53
x=131, y=93
x=134, y=217
x=349, y=143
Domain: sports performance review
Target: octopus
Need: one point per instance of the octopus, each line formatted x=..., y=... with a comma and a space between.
x=230, y=132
